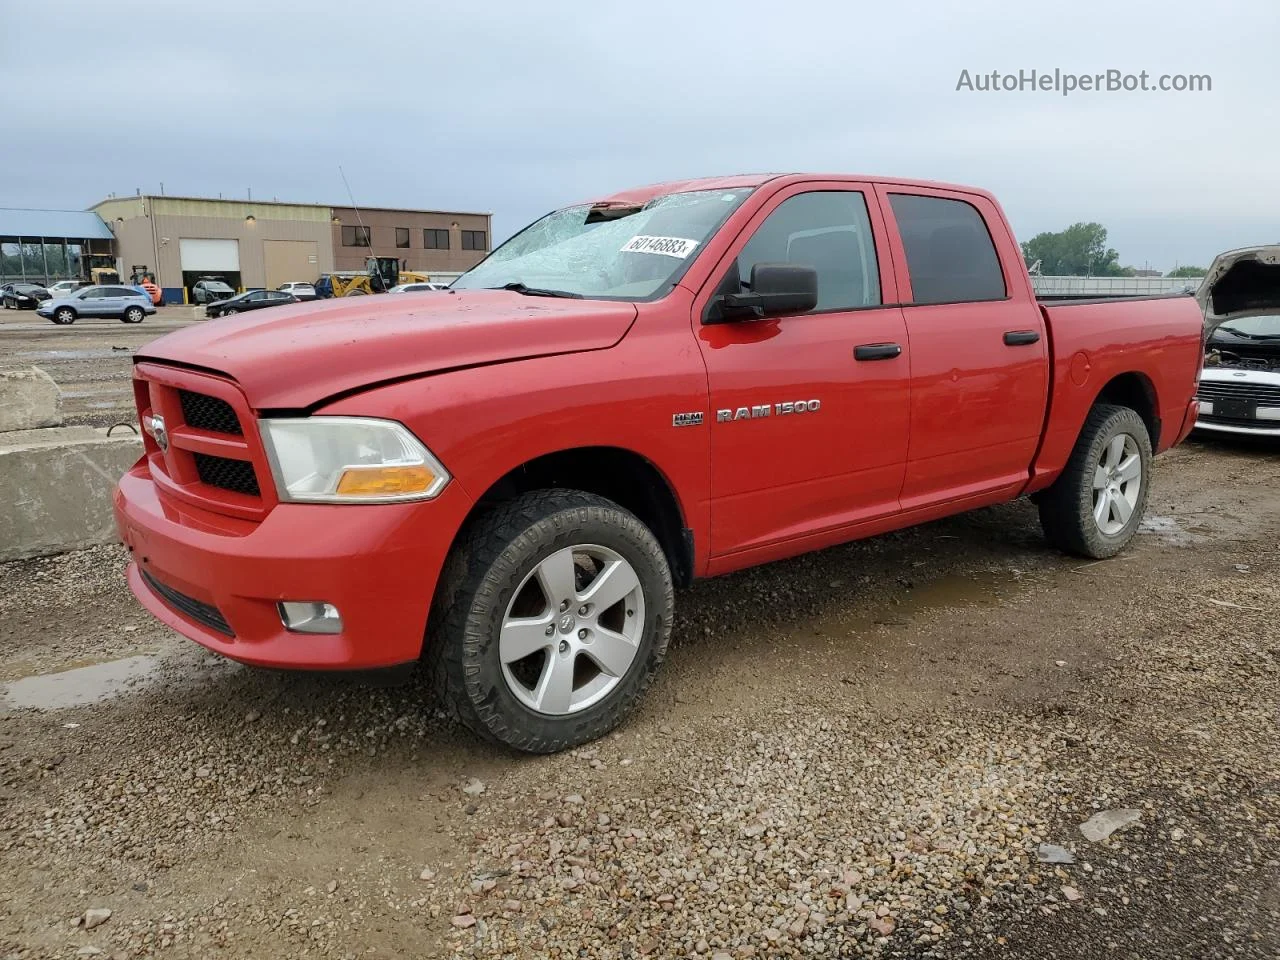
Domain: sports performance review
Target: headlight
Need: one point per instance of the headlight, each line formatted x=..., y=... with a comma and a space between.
x=350, y=460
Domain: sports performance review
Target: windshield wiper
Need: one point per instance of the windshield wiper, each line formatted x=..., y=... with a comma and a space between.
x=522, y=288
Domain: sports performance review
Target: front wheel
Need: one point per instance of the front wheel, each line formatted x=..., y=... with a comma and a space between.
x=1093, y=509
x=64, y=315
x=133, y=315
x=553, y=614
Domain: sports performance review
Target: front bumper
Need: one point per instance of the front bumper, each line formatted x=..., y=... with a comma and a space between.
x=378, y=564
x=1258, y=428
x=1239, y=401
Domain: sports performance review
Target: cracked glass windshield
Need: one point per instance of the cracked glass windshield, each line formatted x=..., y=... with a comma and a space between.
x=607, y=251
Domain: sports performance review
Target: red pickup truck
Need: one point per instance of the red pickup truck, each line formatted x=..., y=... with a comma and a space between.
x=508, y=478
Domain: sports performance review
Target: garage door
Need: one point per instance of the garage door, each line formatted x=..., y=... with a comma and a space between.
x=288, y=261
x=220, y=256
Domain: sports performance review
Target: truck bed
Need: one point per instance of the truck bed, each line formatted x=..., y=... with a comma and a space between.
x=1068, y=299
x=1093, y=341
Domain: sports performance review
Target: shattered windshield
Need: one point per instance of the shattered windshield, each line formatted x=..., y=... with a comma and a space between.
x=607, y=251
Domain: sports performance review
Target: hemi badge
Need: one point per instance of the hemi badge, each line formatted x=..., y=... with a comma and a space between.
x=687, y=419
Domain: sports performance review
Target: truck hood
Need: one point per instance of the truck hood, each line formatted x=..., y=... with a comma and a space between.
x=1241, y=283
x=298, y=356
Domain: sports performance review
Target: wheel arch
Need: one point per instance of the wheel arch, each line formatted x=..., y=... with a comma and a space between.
x=1134, y=390
x=624, y=476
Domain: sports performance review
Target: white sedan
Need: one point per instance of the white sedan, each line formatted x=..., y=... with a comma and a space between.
x=65, y=288
x=417, y=287
x=1239, y=389
x=303, y=291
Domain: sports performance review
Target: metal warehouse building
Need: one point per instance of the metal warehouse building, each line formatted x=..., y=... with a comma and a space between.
x=254, y=243
x=44, y=246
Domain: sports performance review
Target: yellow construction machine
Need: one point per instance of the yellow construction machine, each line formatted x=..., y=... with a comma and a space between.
x=381, y=274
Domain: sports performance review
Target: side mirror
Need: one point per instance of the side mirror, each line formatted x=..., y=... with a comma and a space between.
x=776, y=288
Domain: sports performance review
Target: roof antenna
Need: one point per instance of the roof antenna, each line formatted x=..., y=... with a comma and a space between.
x=351, y=197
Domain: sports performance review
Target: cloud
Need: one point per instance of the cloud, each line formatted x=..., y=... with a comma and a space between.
x=516, y=108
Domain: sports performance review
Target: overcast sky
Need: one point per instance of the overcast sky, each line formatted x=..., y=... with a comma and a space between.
x=516, y=107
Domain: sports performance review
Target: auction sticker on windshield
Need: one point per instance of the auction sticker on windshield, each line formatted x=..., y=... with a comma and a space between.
x=666, y=246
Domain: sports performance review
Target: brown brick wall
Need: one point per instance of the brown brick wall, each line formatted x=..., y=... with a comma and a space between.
x=382, y=226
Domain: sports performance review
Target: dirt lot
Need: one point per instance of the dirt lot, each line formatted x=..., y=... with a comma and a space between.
x=857, y=752
x=90, y=360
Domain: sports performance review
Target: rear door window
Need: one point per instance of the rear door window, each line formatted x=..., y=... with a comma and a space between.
x=950, y=254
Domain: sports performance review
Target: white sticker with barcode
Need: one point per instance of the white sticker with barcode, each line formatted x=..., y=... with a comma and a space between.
x=665, y=246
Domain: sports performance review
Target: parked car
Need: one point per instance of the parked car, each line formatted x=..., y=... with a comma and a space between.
x=64, y=287
x=207, y=291
x=301, y=290
x=22, y=296
x=124, y=303
x=514, y=488
x=1239, y=389
x=417, y=287
x=249, y=300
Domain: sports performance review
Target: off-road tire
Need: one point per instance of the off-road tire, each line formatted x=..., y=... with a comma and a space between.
x=1066, y=507
x=490, y=560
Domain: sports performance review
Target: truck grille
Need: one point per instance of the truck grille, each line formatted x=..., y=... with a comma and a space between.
x=209, y=413
x=214, y=459
x=1262, y=394
x=190, y=607
x=235, y=475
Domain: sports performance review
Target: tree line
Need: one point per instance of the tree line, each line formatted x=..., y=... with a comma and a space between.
x=1081, y=251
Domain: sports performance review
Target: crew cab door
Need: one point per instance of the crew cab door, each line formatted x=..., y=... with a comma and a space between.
x=979, y=347
x=809, y=412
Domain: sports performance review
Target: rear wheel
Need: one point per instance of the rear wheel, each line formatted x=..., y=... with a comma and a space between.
x=64, y=315
x=356, y=292
x=1093, y=509
x=553, y=614
x=133, y=315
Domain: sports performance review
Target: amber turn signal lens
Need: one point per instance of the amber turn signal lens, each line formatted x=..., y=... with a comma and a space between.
x=385, y=481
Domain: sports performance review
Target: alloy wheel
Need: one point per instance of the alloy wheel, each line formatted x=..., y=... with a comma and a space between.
x=1117, y=484
x=572, y=629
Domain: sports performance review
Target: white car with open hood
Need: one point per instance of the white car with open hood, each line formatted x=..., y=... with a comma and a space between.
x=1239, y=388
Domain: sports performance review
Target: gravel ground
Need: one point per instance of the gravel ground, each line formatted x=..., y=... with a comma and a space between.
x=89, y=360
x=857, y=752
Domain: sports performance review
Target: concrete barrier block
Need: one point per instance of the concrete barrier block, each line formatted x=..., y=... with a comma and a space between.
x=29, y=399
x=56, y=487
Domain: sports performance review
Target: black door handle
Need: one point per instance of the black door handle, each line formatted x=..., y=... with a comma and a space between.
x=1021, y=338
x=877, y=351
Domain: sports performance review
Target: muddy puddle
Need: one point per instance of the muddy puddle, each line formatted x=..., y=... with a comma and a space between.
x=88, y=353
x=1169, y=531
x=81, y=685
